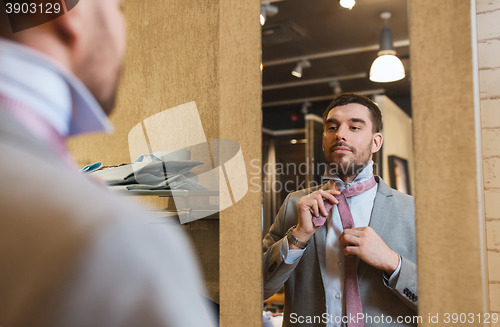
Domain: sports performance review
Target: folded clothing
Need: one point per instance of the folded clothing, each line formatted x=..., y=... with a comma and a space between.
x=153, y=172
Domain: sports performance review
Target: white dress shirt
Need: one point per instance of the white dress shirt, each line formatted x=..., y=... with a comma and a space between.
x=361, y=206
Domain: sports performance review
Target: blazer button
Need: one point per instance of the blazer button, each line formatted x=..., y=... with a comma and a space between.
x=272, y=267
x=416, y=298
x=405, y=291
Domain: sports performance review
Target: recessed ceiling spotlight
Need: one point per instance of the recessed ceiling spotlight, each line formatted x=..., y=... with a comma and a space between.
x=335, y=85
x=305, y=107
x=347, y=3
x=297, y=71
x=387, y=67
x=267, y=10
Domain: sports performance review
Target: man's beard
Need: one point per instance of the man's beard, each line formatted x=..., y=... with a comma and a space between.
x=92, y=73
x=108, y=103
x=343, y=167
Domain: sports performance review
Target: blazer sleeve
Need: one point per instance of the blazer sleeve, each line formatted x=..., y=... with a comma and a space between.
x=406, y=285
x=275, y=271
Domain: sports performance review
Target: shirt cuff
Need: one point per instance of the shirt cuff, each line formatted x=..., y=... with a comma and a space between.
x=290, y=256
x=392, y=280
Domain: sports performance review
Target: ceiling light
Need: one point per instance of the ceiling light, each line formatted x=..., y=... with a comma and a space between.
x=387, y=67
x=297, y=71
x=347, y=3
x=305, y=108
x=267, y=10
x=335, y=85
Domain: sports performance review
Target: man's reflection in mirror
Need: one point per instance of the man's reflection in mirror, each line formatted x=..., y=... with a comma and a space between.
x=345, y=250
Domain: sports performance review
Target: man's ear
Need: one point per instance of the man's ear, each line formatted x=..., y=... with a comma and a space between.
x=378, y=139
x=70, y=27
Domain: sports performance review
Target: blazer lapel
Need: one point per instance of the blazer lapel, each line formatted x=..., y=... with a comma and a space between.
x=381, y=209
x=319, y=243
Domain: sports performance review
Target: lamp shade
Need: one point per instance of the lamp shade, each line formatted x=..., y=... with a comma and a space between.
x=347, y=3
x=387, y=68
x=263, y=14
x=297, y=72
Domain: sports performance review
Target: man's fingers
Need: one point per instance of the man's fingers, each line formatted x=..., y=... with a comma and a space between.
x=310, y=204
x=315, y=208
x=349, y=239
x=329, y=196
x=334, y=191
x=351, y=250
x=342, y=242
x=341, y=239
x=353, y=231
x=320, y=197
x=316, y=204
x=321, y=205
x=317, y=196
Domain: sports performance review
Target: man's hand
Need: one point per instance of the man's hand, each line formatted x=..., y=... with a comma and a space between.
x=312, y=203
x=364, y=243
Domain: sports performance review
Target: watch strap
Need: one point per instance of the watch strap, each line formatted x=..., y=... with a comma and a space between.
x=295, y=241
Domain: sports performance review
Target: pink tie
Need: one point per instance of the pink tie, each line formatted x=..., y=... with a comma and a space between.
x=353, y=299
x=38, y=126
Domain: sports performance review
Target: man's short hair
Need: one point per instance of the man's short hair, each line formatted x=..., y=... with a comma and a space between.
x=347, y=98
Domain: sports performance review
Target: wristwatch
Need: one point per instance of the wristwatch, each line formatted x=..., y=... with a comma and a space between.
x=295, y=241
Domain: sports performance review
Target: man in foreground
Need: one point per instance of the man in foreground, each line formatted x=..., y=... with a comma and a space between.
x=71, y=253
x=345, y=250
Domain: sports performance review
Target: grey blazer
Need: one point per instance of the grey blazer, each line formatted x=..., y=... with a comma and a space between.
x=392, y=219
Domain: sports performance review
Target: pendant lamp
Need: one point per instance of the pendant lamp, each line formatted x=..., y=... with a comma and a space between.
x=387, y=67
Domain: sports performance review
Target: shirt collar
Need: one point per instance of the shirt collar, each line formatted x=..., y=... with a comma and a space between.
x=364, y=175
x=46, y=86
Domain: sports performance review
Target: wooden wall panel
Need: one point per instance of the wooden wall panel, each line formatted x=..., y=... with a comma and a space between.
x=450, y=266
x=240, y=119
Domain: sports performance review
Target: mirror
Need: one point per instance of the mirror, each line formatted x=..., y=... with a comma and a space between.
x=312, y=51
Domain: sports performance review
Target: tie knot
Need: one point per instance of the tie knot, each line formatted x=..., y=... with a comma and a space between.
x=359, y=188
